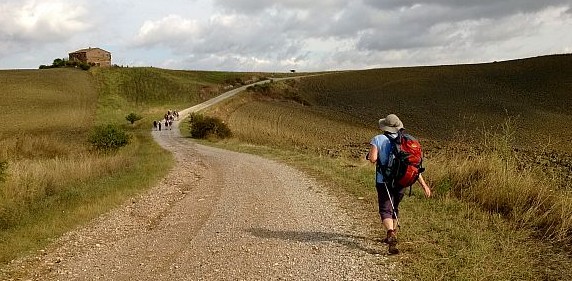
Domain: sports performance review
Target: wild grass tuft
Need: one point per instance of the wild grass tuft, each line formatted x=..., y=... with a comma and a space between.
x=495, y=180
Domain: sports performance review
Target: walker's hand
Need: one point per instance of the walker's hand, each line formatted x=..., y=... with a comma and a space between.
x=427, y=191
x=426, y=188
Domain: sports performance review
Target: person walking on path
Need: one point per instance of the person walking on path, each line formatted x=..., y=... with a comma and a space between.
x=389, y=193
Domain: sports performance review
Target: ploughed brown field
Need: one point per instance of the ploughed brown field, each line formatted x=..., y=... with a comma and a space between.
x=445, y=106
x=435, y=102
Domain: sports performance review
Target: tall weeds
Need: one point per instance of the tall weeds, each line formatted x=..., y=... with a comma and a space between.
x=493, y=178
x=32, y=181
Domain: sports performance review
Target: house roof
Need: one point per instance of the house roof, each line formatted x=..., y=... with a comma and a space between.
x=88, y=49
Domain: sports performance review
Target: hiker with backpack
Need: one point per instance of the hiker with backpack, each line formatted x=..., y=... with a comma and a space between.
x=398, y=158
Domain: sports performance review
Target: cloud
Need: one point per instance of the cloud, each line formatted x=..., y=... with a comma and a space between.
x=330, y=34
x=41, y=21
x=172, y=30
x=426, y=26
x=256, y=6
x=29, y=24
x=223, y=40
x=283, y=34
x=470, y=9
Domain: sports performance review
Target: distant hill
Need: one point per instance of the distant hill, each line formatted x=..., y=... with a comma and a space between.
x=437, y=101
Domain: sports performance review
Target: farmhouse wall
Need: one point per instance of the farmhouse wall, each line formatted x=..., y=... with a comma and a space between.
x=95, y=56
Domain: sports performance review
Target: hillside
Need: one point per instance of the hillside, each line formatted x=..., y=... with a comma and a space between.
x=500, y=208
x=436, y=102
x=526, y=101
x=58, y=103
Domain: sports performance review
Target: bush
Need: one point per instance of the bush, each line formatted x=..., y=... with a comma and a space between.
x=67, y=63
x=132, y=117
x=260, y=88
x=108, y=138
x=59, y=62
x=203, y=127
x=84, y=66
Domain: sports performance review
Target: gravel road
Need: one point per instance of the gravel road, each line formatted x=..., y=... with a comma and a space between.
x=217, y=215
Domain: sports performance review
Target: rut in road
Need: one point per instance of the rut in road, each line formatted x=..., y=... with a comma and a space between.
x=218, y=215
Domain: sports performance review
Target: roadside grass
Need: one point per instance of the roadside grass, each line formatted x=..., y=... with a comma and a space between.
x=54, y=181
x=490, y=218
x=81, y=200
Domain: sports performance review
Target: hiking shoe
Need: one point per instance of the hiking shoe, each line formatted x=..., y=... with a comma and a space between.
x=391, y=240
x=393, y=250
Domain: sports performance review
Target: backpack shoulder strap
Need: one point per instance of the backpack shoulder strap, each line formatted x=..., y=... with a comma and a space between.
x=398, y=139
x=390, y=137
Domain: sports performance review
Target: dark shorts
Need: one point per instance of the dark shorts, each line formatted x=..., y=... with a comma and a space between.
x=385, y=209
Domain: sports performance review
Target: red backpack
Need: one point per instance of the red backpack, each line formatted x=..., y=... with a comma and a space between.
x=405, y=160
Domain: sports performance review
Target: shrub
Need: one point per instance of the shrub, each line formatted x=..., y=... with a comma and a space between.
x=259, y=88
x=205, y=126
x=84, y=66
x=132, y=117
x=67, y=63
x=108, y=138
x=59, y=62
x=71, y=63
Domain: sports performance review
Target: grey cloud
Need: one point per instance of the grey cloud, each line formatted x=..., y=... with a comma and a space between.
x=439, y=25
x=246, y=39
x=225, y=39
x=472, y=8
x=244, y=6
x=233, y=62
x=256, y=6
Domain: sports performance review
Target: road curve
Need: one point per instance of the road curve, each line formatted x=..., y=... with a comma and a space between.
x=217, y=215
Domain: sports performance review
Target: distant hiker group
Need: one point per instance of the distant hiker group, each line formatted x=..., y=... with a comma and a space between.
x=167, y=122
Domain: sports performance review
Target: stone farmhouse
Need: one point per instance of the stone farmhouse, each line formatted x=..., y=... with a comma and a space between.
x=93, y=56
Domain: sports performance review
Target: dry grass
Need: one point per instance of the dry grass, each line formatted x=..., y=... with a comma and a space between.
x=42, y=138
x=498, y=185
x=51, y=168
x=291, y=125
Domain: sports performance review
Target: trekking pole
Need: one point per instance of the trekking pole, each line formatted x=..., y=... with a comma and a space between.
x=392, y=206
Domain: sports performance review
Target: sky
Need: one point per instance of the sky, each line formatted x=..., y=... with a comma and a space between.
x=280, y=35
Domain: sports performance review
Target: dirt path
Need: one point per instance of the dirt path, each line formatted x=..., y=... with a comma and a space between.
x=218, y=215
